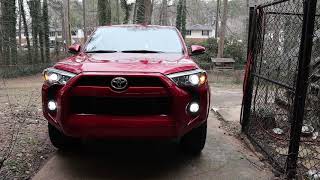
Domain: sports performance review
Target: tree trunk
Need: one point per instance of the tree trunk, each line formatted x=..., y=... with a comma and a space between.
x=134, y=18
x=117, y=12
x=1, y=34
x=179, y=15
x=126, y=7
x=19, y=28
x=84, y=21
x=5, y=38
x=45, y=19
x=184, y=19
x=223, y=29
x=102, y=12
x=26, y=31
x=108, y=9
x=41, y=43
x=163, y=19
x=140, y=16
x=217, y=19
x=12, y=19
x=66, y=18
x=33, y=6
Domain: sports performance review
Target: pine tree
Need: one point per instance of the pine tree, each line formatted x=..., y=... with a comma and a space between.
x=179, y=15
x=140, y=15
x=108, y=9
x=45, y=19
x=126, y=8
x=102, y=13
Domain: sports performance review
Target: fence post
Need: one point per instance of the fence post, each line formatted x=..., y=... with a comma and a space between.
x=248, y=81
x=309, y=10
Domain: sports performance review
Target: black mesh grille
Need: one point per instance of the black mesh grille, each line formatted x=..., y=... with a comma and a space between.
x=104, y=81
x=120, y=106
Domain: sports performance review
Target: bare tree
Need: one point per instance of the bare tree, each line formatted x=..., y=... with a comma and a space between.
x=66, y=19
x=163, y=19
x=223, y=29
x=217, y=18
x=26, y=31
x=84, y=21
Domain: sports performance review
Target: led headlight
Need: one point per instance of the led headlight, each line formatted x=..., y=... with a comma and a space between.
x=189, y=78
x=55, y=76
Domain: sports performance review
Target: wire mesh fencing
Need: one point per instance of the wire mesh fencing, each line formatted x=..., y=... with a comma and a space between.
x=282, y=87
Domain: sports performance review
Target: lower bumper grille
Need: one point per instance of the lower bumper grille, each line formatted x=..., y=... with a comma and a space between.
x=120, y=106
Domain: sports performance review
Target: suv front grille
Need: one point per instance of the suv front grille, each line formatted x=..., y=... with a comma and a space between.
x=104, y=81
x=120, y=106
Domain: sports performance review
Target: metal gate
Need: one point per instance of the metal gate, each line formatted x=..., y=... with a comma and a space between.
x=281, y=103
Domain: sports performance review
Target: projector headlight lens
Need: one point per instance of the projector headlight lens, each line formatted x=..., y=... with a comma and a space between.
x=55, y=76
x=189, y=78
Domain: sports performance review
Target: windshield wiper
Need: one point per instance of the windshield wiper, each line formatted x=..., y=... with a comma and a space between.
x=141, y=51
x=102, y=51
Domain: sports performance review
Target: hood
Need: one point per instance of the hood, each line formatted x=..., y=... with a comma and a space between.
x=127, y=62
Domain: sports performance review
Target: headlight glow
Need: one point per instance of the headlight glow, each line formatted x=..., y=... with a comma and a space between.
x=52, y=106
x=194, y=107
x=55, y=76
x=193, y=78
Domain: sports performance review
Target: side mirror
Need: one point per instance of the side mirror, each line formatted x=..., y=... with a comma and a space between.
x=197, y=50
x=75, y=48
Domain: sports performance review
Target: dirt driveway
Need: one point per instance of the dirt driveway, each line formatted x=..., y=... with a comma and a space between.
x=21, y=122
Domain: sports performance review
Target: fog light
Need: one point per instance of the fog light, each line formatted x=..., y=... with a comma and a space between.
x=194, y=107
x=52, y=106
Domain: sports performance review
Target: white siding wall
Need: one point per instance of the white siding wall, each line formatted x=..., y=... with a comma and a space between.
x=198, y=34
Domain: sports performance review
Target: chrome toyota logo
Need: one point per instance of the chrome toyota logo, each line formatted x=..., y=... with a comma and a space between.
x=119, y=83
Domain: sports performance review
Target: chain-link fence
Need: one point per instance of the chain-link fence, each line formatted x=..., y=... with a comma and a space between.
x=282, y=86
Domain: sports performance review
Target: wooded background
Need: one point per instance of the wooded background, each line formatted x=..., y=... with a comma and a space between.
x=34, y=19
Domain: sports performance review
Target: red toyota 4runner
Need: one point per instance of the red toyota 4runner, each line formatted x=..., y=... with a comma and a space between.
x=128, y=81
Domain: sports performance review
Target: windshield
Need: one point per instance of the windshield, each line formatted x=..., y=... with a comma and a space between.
x=135, y=39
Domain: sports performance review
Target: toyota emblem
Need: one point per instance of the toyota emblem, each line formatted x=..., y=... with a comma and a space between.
x=119, y=83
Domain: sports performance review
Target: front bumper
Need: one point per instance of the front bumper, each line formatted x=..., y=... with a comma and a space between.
x=173, y=124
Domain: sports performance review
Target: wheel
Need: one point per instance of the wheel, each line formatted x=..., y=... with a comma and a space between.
x=61, y=141
x=194, y=141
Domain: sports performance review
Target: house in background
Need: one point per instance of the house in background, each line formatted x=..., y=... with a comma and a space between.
x=199, y=32
x=55, y=35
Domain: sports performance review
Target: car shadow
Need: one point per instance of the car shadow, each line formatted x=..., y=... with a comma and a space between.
x=125, y=159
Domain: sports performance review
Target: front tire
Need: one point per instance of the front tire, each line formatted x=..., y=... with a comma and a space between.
x=194, y=141
x=61, y=141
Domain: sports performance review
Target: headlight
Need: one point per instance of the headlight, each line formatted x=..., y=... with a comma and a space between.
x=189, y=78
x=55, y=76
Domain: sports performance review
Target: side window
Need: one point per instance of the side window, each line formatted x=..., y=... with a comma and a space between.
x=188, y=33
x=205, y=33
